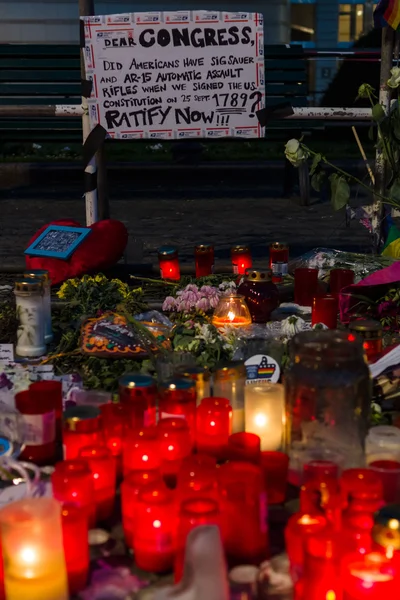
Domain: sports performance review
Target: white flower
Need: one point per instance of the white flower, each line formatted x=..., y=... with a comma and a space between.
x=227, y=286
x=320, y=326
x=376, y=408
x=394, y=81
x=205, y=333
x=292, y=325
x=295, y=153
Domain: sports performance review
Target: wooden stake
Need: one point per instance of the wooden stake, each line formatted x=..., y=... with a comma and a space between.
x=364, y=156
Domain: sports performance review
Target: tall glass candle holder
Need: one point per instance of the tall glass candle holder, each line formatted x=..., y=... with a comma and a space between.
x=389, y=473
x=213, y=426
x=169, y=263
x=299, y=528
x=305, y=285
x=241, y=259
x=229, y=383
x=325, y=310
x=32, y=542
x=201, y=376
x=382, y=443
x=264, y=407
x=140, y=393
x=82, y=427
x=142, y=450
x=116, y=422
x=197, y=479
x=176, y=443
x=232, y=311
x=322, y=566
x=49, y=393
x=131, y=487
x=204, y=258
x=43, y=276
x=360, y=482
x=72, y=483
x=178, y=400
x=104, y=473
x=371, y=332
x=339, y=279
x=29, y=302
x=278, y=260
x=370, y=577
x=244, y=446
x=39, y=418
x=76, y=547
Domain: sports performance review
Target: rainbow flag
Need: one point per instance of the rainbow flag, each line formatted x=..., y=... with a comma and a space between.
x=392, y=245
x=387, y=13
x=266, y=371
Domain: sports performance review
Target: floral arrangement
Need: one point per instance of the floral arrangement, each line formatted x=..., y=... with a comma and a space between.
x=204, y=341
x=193, y=300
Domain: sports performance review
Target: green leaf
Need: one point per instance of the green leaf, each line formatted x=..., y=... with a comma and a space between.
x=315, y=163
x=378, y=113
x=318, y=180
x=340, y=191
x=394, y=192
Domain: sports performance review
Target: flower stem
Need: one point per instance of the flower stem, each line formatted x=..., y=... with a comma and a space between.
x=158, y=281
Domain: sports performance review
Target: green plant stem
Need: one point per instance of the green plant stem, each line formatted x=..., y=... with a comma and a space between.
x=158, y=281
x=382, y=137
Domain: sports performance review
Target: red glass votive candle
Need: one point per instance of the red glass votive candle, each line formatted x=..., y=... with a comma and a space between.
x=175, y=444
x=241, y=259
x=49, y=392
x=244, y=446
x=299, y=527
x=104, y=472
x=244, y=508
x=275, y=467
x=153, y=542
x=371, y=332
x=76, y=547
x=305, y=286
x=40, y=427
x=358, y=527
x=278, y=260
x=325, y=310
x=192, y=514
x=322, y=566
x=204, y=258
x=142, y=450
x=72, y=483
x=82, y=427
x=139, y=392
x=115, y=420
x=363, y=484
x=389, y=473
x=320, y=471
x=168, y=261
x=131, y=487
x=197, y=479
x=213, y=426
x=178, y=399
x=339, y=279
x=370, y=577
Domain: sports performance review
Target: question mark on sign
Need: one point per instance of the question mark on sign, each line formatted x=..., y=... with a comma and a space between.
x=258, y=96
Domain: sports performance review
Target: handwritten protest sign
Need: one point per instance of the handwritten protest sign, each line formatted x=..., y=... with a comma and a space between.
x=174, y=75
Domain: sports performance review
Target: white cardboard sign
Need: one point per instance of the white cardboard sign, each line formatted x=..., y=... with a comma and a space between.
x=174, y=75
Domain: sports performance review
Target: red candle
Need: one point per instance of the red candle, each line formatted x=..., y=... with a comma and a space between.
x=178, y=399
x=275, y=466
x=241, y=259
x=192, y=514
x=2, y=590
x=360, y=481
x=321, y=567
x=305, y=286
x=278, y=260
x=213, y=426
x=140, y=393
x=131, y=487
x=244, y=509
x=339, y=279
x=169, y=263
x=371, y=332
x=40, y=427
x=82, y=427
x=370, y=577
x=204, y=257
x=358, y=527
x=153, y=543
x=104, y=472
x=320, y=471
x=72, y=483
x=76, y=547
x=389, y=473
x=197, y=479
x=175, y=444
x=115, y=419
x=244, y=446
x=325, y=310
x=142, y=450
x=299, y=527
x=49, y=392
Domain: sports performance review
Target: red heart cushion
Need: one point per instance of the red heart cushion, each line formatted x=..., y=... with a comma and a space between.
x=102, y=248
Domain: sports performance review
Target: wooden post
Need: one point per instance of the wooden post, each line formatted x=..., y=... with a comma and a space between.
x=380, y=163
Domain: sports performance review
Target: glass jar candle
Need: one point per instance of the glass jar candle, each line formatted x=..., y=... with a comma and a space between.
x=43, y=276
x=213, y=426
x=322, y=566
x=29, y=305
x=139, y=392
x=131, y=487
x=142, y=450
x=388, y=472
x=299, y=528
x=244, y=509
x=72, y=483
x=169, y=263
x=50, y=393
x=328, y=395
x=305, y=286
x=104, y=473
x=231, y=310
x=76, y=547
x=244, y=446
x=260, y=293
x=370, y=577
x=197, y=478
x=229, y=383
x=325, y=310
x=33, y=552
x=339, y=279
x=264, y=407
x=178, y=399
x=278, y=260
x=82, y=427
x=371, y=333
x=382, y=443
x=360, y=482
x=153, y=542
x=201, y=376
x=39, y=418
x=241, y=259
x=176, y=443
x=204, y=258
x=274, y=466
x=115, y=420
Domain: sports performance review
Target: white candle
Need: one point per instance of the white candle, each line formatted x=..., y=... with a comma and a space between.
x=264, y=413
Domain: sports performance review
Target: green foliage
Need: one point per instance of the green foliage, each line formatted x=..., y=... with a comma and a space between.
x=204, y=341
x=340, y=191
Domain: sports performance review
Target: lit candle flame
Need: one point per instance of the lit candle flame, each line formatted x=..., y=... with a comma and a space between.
x=231, y=315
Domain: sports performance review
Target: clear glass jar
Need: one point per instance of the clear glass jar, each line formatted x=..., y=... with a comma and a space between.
x=29, y=302
x=45, y=279
x=328, y=396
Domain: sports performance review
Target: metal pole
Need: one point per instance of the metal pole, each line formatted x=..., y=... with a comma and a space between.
x=380, y=163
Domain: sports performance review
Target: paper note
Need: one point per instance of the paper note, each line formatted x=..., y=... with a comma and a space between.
x=6, y=353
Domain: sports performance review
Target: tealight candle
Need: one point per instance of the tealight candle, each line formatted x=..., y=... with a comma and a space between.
x=82, y=427
x=175, y=444
x=244, y=446
x=263, y=413
x=241, y=259
x=142, y=450
x=204, y=257
x=34, y=563
x=213, y=426
x=153, y=542
x=372, y=577
x=229, y=383
x=231, y=311
x=140, y=393
x=169, y=263
x=104, y=471
x=178, y=400
x=72, y=483
x=76, y=547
